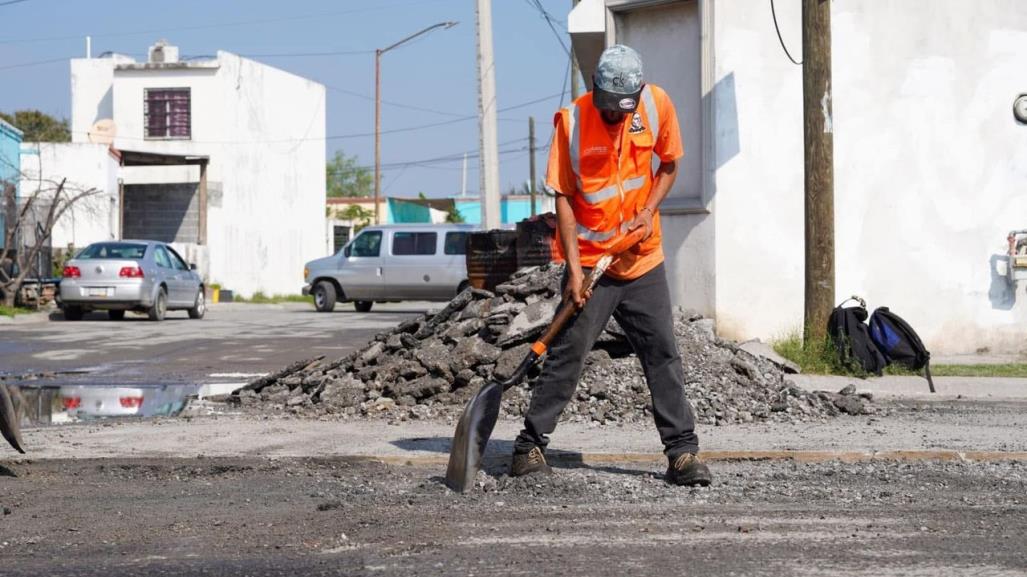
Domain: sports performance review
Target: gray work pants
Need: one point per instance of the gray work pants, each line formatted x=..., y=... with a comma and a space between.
x=642, y=307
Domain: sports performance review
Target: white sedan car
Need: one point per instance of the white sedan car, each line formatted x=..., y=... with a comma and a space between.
x=138, y=275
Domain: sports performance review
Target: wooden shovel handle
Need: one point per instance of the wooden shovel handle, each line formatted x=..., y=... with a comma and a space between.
x=567, y=309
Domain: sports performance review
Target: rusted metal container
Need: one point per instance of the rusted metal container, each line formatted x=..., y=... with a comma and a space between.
x=535, y=240
x=491, y=257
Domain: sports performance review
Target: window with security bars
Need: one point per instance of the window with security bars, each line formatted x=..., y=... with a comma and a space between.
x=168, y=113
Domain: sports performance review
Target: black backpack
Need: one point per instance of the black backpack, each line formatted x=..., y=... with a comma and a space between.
x=851, y=337
x=899, y=342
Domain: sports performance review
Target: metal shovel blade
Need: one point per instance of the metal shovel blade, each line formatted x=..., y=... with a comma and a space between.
x=10, y=427
x=472, y=436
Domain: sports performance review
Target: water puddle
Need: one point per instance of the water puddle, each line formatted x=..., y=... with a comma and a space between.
x=51, y=404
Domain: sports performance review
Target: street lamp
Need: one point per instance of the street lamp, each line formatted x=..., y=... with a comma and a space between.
x=378, y=108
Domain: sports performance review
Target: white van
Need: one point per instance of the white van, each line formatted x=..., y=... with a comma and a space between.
x=388, y=263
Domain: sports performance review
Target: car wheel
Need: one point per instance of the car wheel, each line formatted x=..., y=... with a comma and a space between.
x=324, y=296
x=463, y=286
x=362, y=306
x=73, y=313
x=200, y=306
x=116, y=315
x=160, y=306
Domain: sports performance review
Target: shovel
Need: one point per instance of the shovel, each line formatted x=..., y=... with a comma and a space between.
x=481, y=413
x=10, y=427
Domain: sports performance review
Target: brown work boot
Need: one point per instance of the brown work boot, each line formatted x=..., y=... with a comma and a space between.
x=533, y=461
x=688, y=470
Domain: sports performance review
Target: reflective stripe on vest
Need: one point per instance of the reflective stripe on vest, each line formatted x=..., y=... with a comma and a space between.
x=575, y=144
x=653, y=116
x=611, y=191
x=600, y=235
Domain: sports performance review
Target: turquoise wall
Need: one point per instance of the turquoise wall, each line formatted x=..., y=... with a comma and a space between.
x=10, y=162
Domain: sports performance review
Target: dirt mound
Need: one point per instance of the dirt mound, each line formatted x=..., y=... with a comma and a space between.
x=430, y=366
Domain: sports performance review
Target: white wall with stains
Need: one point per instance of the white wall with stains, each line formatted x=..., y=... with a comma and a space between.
x=88, y=168
x=263, y=130
x=930, y=167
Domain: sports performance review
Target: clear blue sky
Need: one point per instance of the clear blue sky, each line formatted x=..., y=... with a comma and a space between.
x=434, y=72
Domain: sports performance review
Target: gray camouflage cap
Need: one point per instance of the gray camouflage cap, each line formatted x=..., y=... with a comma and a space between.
x=618, y=79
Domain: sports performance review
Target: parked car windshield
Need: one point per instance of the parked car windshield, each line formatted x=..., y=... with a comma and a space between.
x=118, y=250
x=369, y=243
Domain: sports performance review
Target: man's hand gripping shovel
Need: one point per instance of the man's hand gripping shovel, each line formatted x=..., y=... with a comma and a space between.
x=481, y=413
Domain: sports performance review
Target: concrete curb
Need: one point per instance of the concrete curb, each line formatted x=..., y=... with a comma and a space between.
x=26, y=319
x=560, y=458
x=903, y=387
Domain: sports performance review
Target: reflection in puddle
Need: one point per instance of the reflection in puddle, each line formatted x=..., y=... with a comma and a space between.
x=42, y=405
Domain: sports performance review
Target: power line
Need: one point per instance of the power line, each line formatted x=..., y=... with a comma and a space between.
x=782, y=40
x=9, y=2
x=355, y=134
x=391, y=103
x=114, y=34
x=36, y=63
x=537, y=5
x=303, y=54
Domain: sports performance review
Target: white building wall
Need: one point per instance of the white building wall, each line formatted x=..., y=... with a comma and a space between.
x=263, y=130
x=930, y=167
x=87, y=167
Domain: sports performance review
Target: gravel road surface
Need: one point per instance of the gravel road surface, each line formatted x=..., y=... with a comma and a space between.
x=331, y=517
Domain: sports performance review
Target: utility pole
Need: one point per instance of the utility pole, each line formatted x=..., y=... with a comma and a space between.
x=818, y=138
x=489, y=157
x=531, y=161
x=574, y=64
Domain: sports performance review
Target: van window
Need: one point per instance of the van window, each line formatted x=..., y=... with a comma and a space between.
x=414, y=243
x=369, y=243
x=456, y=243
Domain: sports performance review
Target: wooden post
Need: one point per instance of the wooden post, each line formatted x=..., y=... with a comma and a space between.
x=818, y=137
x=531, y=161
x=574, y=64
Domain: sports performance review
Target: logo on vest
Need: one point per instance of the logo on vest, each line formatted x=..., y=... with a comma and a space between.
x=636, y=124
x=599, y=150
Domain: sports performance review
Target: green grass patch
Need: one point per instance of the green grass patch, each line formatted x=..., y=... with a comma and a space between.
x=1012, y=370
x=259, y=298
x=10, y=312
x=816, y=359
x=819, y=359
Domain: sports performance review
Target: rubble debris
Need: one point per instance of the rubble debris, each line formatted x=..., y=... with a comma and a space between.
x=430, y=366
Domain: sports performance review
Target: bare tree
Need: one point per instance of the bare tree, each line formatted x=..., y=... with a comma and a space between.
x=29, y=221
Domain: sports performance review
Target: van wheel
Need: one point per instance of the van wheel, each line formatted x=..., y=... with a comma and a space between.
x=73, y=313
x=324, y=296
x=116, y=315
x=362, y=306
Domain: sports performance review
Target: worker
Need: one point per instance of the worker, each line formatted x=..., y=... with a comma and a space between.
x=613, y=158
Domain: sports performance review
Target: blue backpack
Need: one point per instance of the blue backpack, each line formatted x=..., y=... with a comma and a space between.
x=899, y=343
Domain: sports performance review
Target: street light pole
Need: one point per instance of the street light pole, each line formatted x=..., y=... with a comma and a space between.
x=378, y=109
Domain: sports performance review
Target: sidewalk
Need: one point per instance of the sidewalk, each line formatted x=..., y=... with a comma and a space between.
x=916, y=388
x=942, y=430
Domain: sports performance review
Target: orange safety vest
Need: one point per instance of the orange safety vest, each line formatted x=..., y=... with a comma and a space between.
x=612, y=190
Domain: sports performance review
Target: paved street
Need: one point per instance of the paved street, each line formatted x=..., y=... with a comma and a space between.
x=232, y=344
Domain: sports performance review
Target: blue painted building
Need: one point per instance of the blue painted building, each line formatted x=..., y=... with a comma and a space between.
x=10, y=166
x=513, y=209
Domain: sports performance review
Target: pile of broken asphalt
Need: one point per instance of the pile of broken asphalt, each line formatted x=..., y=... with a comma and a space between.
x=428, y=367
